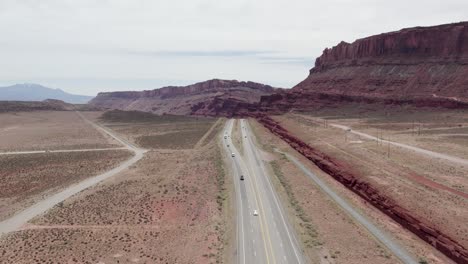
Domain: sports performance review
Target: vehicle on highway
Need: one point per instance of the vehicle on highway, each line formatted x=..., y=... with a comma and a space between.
x=242, y=177
x=228, y=145
x=255, y=212
x=225, y=137
x=233, y=155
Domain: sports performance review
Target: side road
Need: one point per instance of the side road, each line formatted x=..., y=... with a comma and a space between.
x=15, y=222
x=401, y=145
x=393, y=246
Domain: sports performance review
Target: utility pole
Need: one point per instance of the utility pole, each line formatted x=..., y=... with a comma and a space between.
x=388, y=148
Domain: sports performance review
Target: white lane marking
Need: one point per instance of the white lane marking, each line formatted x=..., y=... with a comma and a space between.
x=293, y=245
x=255, y=253
x=256, y=192
x=230, y=126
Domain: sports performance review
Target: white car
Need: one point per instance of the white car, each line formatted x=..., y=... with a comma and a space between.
x=233, y=155
x=255, y=213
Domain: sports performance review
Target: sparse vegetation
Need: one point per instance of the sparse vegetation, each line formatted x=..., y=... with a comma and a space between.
x=311, y=235
x=168, y=200
x=159, y=132
x=175, y=140
x=23, y=177
x=423, y=261
x=115, y=116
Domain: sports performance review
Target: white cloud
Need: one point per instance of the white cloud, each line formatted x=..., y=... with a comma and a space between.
x=97, y=43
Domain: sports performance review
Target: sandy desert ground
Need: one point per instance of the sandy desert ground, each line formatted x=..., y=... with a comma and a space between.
x=166, y=132
x=170, y=207
x=432, y=188
x=30, y=177
x=49, y=130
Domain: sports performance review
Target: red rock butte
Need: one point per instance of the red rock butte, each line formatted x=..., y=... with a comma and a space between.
x=421, y=63
x=421, y=67
x=184, y=100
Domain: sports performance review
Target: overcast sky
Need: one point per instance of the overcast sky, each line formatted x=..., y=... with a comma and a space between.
x=87, y=46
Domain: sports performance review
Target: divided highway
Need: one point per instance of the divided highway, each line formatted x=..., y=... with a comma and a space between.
x=263, y=233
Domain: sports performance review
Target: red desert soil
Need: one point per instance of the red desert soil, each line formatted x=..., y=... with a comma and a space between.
x=401, y=199
x=170, y=207
x=326, y=231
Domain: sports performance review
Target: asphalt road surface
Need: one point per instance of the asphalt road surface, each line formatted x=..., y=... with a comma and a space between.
x=266, y=237
x=16, y=221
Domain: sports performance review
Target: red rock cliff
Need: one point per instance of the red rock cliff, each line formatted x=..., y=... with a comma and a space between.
x=414, y=63
x=182, y=100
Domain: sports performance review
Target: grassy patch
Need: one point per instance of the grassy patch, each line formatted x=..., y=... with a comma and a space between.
x=176, y=140
x=220, y=180
x=212, y=134
x=237, y=136
x=145, y=117
x=221, y=200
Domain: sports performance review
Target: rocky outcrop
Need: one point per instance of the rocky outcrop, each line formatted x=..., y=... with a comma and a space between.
x=344, y=174
x=26, y=106
x=419, y=67
x=422, y=63
x=183, y=100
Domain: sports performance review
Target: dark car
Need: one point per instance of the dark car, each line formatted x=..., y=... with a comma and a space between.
x=242, y=177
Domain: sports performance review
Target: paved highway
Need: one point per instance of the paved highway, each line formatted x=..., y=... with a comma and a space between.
x=266, y=237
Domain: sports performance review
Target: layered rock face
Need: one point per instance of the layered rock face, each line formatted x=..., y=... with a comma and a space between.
x=183, y=100
x=422, y=63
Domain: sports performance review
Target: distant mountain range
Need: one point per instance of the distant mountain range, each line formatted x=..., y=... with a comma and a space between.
x=36, y=92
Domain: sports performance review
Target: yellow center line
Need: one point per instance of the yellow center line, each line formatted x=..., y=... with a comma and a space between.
x=267, y=253
x=261, y=213
x=267, y=232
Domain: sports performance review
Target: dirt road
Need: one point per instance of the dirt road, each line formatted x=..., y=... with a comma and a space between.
x=15, y=222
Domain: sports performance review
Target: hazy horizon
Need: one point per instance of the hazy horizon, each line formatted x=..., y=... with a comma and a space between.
x=88, y=47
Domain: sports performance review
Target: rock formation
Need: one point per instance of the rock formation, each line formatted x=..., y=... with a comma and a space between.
x=422, y=63
x=182, y=100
